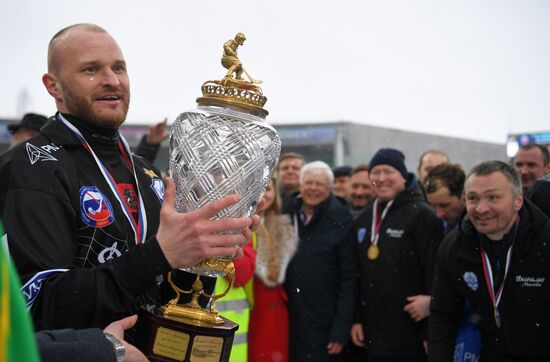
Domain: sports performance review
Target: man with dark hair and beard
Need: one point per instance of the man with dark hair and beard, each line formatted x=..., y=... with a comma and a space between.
x=90, y=227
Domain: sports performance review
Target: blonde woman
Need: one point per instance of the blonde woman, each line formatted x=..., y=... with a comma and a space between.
x=275, y=243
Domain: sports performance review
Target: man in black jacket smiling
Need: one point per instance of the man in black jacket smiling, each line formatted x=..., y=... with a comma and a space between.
x=497, y=260
x=86, y=222
x=397, y=238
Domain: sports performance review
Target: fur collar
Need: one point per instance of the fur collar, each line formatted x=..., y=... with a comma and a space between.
x=275, y=245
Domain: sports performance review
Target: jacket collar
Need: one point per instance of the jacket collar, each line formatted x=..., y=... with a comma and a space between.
x=58, y=134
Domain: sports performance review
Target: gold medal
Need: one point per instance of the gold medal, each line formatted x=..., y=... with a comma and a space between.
x=373, y=252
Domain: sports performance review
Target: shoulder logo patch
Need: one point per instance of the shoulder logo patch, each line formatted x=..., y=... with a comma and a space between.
x=471, y=280
x=95, y=209
x=42, y=153
x=158, y=187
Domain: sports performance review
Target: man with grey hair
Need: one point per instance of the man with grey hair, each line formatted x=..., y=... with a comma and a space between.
x=321, y=278
x=497, y=260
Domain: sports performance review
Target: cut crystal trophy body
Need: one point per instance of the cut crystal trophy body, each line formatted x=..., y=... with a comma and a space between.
x=217, y=151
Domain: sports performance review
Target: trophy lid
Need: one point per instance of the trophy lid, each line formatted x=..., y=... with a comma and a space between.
x=233, y=91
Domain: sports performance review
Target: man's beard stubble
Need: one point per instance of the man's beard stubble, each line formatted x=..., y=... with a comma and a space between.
x=81, y=108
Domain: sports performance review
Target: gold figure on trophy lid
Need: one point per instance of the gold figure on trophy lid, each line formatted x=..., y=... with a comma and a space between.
x=233, y=90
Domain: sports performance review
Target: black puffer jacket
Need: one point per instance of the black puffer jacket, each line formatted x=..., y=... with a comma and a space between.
x=525, y=303
x=408, y=241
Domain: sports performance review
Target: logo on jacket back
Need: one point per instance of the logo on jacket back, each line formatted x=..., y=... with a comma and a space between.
x=471, y=280
x=42, y=153
x=95, y=209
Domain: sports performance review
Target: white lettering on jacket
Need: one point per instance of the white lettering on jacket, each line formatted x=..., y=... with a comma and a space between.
x=395, y=233
x=42, y=153
x=530, y=282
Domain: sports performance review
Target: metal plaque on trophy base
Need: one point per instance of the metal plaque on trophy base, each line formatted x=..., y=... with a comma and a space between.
x=164, y=339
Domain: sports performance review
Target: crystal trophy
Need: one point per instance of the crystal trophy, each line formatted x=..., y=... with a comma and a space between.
x=223, y=147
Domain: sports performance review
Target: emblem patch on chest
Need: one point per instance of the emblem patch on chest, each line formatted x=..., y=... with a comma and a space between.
x=361, y=235
x=158, y=187
x=471, y=280
x=95, y=209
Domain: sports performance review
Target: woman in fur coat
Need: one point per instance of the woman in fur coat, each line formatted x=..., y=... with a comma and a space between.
x=275, y=244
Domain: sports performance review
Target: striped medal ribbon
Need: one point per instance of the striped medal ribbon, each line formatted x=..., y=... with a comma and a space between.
x=139, y=228
x=489, y=280
x=373, y=251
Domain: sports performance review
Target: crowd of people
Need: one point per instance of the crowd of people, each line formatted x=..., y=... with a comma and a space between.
x=365, y=263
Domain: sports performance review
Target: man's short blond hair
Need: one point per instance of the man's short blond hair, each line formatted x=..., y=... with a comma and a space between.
x=63, y=33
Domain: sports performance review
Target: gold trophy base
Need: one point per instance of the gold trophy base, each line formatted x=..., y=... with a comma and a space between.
x=170, y=338
x=190, y=314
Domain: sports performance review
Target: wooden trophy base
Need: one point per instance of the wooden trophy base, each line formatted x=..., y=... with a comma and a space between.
x=167, y=340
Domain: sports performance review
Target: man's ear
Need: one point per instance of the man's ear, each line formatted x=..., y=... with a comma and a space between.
x=518, y=202
x=50, y=82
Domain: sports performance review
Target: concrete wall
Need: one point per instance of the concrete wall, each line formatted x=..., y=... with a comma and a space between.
x=356, y=143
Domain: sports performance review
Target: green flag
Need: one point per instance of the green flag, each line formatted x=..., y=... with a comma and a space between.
x=17, y=340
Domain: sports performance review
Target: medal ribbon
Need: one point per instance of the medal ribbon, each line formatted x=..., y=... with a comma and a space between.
x=376, y=223
x=139, y=228
x=488, y=273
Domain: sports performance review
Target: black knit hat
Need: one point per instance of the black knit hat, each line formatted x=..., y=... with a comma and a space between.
x=342, y=171
x=30, y=120
x=391, y=157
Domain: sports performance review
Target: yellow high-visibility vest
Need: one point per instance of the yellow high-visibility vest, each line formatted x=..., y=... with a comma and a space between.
x=234, y=306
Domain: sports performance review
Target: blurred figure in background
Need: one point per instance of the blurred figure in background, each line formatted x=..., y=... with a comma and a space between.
x=532, y=161
x=27, y=128
x=361, y=190
x=429, y=160
x=289, y=168
x=149, y=145
x=443, y=186
x=275, y=244
x=321, y=279
x=341, y=186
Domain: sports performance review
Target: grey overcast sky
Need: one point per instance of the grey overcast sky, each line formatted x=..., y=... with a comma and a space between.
x=475, y=69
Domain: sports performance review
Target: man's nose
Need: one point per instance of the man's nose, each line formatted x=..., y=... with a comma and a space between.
x=108, y=77
x=481, y=206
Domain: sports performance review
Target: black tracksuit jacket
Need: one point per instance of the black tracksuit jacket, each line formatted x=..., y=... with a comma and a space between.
x=408, y=241
x=525, y=303
x=49, y=225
